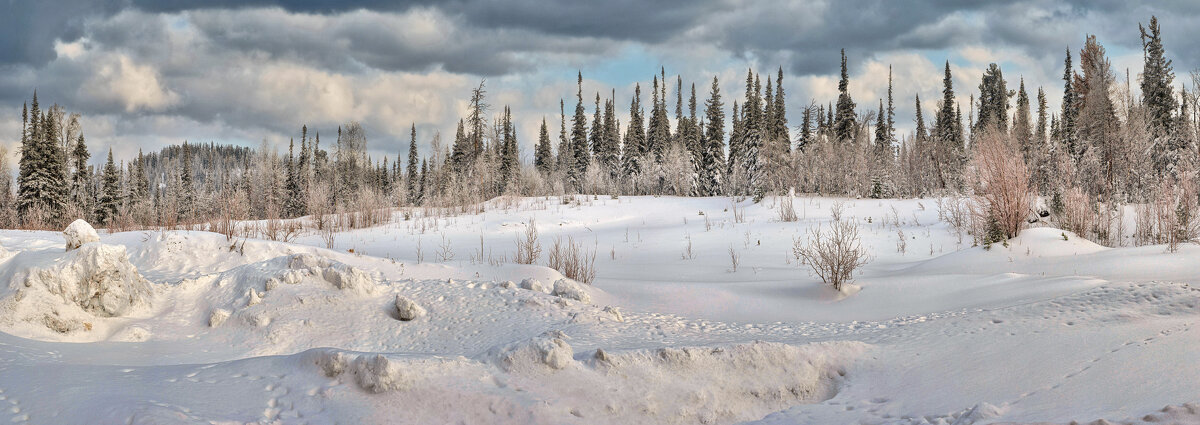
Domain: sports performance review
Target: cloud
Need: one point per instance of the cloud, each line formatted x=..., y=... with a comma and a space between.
x=150, y=73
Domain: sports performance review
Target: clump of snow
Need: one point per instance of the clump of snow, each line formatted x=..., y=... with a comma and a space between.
x=374, y=373
x=615, y=312
x=217, y=317
x=340, y=275
x=255, y=298
x=407, y=309
x=533, y=285
x=508, y=284
x=546, y=352
x=378, y=374
x=565, y=288
x=78, y=233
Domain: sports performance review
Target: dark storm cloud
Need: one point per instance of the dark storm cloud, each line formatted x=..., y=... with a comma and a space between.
x=28, y=28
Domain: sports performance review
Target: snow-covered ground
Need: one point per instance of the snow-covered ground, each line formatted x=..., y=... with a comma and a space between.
x=178, y=327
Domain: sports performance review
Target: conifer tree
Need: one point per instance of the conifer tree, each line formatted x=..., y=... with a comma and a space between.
x=844, y=123
x=187, y=196
x=411, y=169
x=294, y=203
x=110, y=193
x=947, y=135
x=635, y=136
x=81, y=181
x=1157, y=79
x=579, y=143
x=1021, y=130
x=1070, y=109
x=543, y=157
x=993, y=101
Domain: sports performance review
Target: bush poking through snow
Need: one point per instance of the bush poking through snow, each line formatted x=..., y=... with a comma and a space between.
x=1001, y=183
x=533, y=285
x=564, y=288
x=78, y=233
x=834, y=255
x=572, y=260
x=407, y=309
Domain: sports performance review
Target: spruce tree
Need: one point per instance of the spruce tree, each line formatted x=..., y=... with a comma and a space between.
x=294, y=204
x=635, y=136
x=712, y=164
x=187, y=196
x=579, y=142
x=1021, y=130
x=844, y=123
x=993, y=101
x=110, y=193
x=411, y=169
x=947, y=135
x=81, y=181
x=1157, y=80
x=543, y=156
x=1070, y=109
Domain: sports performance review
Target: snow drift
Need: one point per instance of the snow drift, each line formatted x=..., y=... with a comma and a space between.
x=68, y=292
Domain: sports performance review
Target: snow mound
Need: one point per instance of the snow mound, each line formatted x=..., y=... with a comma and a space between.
x=1049, y=242
x=407, y=309
x=533, y=285
x=66, y=292
x=372, y=372
x=340, y=275
x=544, y=353
x=564, y=288
x=717, y=384
x=78, y=233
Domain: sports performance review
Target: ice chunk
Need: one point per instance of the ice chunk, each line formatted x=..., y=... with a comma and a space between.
x=217, y=317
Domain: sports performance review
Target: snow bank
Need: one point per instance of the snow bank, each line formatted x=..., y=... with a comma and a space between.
x=78, y=233
x=565, y=288
x=544, y=353
x=407, y=310
x=68, y=292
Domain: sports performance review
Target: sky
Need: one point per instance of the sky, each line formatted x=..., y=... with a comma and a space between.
x=146, y=74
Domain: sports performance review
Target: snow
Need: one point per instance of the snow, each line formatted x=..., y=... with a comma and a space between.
x=565, y=288
x=177, y=327
x=407, y=309
x=78, y=233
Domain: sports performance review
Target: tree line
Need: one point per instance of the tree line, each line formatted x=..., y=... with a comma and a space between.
x=1103, y=148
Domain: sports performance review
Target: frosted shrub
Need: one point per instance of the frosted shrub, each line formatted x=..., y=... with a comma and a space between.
x=572, y=260
x=1076, y=212
x=1001, y=184
x=528, y=247
x=834, y=254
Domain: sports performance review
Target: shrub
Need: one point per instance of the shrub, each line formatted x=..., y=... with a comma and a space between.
x=834, y=254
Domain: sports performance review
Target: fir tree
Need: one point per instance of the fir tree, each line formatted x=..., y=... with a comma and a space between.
x=1157, y=80
x=81, y=181
x=187, y=196
x=110, y=193
x=543, y=157
x=579, y=142
x=635, y=136
x=844, y=123
x=712, y=163
x=993, y=101
x=1070, y=109
x=414, y=190
x=294, y=204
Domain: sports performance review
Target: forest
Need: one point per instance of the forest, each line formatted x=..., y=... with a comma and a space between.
x=999, y=147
